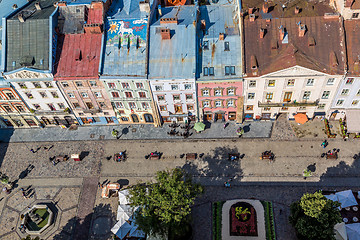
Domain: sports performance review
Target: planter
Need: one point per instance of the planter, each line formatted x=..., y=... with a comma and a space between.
x=327, y=129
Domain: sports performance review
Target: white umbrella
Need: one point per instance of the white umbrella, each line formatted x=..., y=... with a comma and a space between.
x=340, y=231
x=346, y=198
x=123, y=213
x=123, y=196
x=353, y=231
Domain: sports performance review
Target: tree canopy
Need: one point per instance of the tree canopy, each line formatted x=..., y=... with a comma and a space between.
x=165, y=205
x=314, y=217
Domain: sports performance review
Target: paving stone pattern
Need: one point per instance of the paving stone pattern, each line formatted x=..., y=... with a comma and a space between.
x=282, y=129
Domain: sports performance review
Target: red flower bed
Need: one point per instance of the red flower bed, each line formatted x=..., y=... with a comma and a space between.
x=243, y=220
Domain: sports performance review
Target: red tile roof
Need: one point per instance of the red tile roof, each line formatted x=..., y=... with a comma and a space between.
x=95, y=15
x=352, y=32
x=78, y=55
x=326, y=56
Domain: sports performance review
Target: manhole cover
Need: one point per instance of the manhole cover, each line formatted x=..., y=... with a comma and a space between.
x=133, y=129
x=92, y=135
x=102, y=137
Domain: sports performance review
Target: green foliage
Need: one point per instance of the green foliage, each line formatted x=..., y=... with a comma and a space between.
x=269, y=220
x=165, y=205
x=217, y=219
x=314, y=217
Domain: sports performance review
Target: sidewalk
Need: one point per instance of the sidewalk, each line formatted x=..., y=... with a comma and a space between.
x=255, y=129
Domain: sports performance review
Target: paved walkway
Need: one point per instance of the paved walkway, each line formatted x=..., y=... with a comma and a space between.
x=282, y=129
x=255, y=129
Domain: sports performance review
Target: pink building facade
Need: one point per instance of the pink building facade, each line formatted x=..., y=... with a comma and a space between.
x=220, y=100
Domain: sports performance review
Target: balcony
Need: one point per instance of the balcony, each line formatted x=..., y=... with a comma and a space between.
x=49, y=112
x=94, y=110
x=289, y=104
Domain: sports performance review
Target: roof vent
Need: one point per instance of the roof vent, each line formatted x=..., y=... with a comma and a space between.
x=252, y=17
x=221, y=36
x=254, y=65
x=168, y=20
x=15, y=6
x=311, y=42
x=274, y=44
x=265, y=7
x=165, y=33
x=21, y=17
x=251, y=10
x=27, y=61
x=302, y=30
x=37, y=6
x=262, y=32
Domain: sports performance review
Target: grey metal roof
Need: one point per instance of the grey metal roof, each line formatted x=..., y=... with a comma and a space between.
x=124, y=48
x=78, y=2
x=28, y=42
x=175, y=57
x=220, y=19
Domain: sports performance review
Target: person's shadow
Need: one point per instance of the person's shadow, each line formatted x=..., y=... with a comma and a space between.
x=247, y=128
x=312, y=167
x=123, y=132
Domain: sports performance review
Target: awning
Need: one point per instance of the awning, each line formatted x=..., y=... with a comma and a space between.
x=353, y=121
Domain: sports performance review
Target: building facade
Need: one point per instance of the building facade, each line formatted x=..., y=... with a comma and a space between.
x=124, y=62
x=292, y=67
x=78, y=56
x=220, y=84
x=172, y=62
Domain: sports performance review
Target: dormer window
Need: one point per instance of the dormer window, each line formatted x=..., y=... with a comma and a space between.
x=226, y=46
x=206, y=45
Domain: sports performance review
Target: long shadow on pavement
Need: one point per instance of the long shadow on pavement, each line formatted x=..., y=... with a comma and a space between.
x=5, y=135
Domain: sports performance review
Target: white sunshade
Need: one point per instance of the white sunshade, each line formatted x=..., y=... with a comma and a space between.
x=346, y=198
x=340, y=231
x=353, y=231
x=123, y=196
x=123, y=230
x=123, y=212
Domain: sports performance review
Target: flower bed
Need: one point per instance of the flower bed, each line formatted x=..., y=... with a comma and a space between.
x=269, y=220
x=243, y=221
x=343, y=128
x=217, y=212
x=327, y=129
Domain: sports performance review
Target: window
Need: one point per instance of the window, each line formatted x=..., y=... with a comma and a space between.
x=7, y=108
x=102, y=104
x=206, y=104
x=229, y=70
x=139, y=85
x=252, y=83
x=355, y=102
x=163, y=108
x=358, y=92
x=158, y=88
x=51, y=106
x=188, y=86
x=250, y=107
x=132, y=105
x=190, y=107
x=291, y=82
x=76, y=105
x=269, y=96
x=206, y=71
x=84, y=95
x=284, y=108
x=206, y=45
x=205, y=92
x=188, y=96
x=37, y=106
x=78, y=84
x=350, y=81
x=124, y=119
x=330, y=81
x=211, y=71
x=226, y=46
x=231, y=91
x=71, y=95
x=115, y=94
x=22, y=85
x=128, y=94
x=325, y=95
x=306, y=95
x=89, y=105
x=321, y=106
x=29, y=95
x=20, y=108
x=125, y=85
x=271, y=83
x=97, y=94
x=230, y=103
x=339, y=102
x=142, y=94
x=119, y=105
x=251, y=95
x=174, y=87
x=217, y=92
x=48, y=84
x=43, y=94
x=345, y=91
x=161, y=97
x=310, y=82
x=218, y=103
x=355, y=15
x=302, y=108
x=65, y=84
x=145, y=105
x=54, y=94
x=176, y=97
x=61, y=105
x=92, y=83
x=267, y=109
x=36, y=84
x=111, y=85
x=10, y=96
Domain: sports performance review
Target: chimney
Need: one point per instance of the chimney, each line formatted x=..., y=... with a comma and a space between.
x=15, y=6
x=165, y=33
x=168, y=20
x=21, y=17
x=297, y=10
x=282, y=33
x=265, y=7
x=267, y=20
x=159, y=10
x=93, y=28
x=144, y=6
x=251, y=10
x=274, y=44
x=302, y=30
x=221, y=36
x=262, y=32
x=37, y=6
x=254, y=65
x=61, y=4
x=252, y=17
x=311, y=42
x=203, y=24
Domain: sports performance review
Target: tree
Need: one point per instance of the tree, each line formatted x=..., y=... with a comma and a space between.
x=165, y=205
x=314, y=217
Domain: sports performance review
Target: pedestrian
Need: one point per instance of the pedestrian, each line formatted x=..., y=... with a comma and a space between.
x=32, y=150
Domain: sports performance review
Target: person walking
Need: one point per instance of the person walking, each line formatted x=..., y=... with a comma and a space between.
x=32, y=150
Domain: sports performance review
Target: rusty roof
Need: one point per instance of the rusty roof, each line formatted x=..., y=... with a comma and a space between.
x=355, y=4
x=272, y=54
x=78, y=55
x=352, y=32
